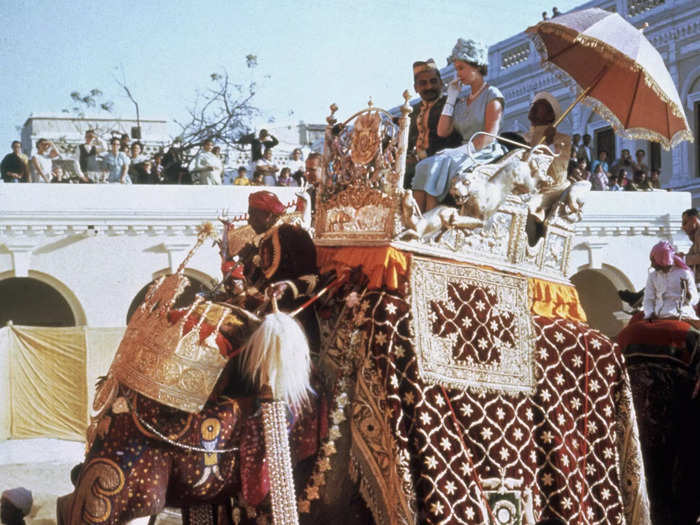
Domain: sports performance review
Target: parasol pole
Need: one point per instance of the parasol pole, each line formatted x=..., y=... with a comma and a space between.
x=579, y=98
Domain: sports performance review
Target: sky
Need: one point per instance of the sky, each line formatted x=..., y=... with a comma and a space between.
x=310, y=53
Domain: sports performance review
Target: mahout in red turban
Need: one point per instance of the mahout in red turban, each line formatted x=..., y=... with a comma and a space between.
x=266, y=201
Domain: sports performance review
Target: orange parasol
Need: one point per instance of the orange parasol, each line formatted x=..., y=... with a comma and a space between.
x=620, y=74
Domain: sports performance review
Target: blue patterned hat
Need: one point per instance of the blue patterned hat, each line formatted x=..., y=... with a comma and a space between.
x=471, y=51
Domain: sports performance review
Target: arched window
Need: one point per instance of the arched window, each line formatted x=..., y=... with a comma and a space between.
x=186, y=298
x=30, y=302
x=599, y=300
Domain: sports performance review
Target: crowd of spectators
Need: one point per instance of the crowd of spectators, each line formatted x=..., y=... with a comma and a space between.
x=622, y=174
x=126, y=162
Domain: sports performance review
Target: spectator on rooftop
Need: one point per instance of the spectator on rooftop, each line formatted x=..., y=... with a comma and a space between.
x=157, y=172
x=206, y=167
x=117, y=164
x=296, y=165
x=555, y=12
x=545, y=15
x=584, y=151
x=258, y=180
x=267, y=168
x=655, y=179
x=285, y=178
x=42, y=161
x=624, y=162
x=124, y=143
x=640, y=163
x=14, y=165
x=638, y=182
x=87, y=156
x=173, y=170
x=258, y=145
x=139, y=164
x=579, y=172
x=242, y=178
x=601, y=160
x=616, y=182
x=599, y=179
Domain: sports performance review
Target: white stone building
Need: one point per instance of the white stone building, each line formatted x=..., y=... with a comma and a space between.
x=673, y=28
x=68, y=131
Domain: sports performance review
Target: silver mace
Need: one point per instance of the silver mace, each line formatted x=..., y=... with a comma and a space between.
x=278, y=456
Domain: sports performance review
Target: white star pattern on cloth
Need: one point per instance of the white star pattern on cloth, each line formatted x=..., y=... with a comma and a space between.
x=500, y=413
x=545, y=395
x=467, y=323
x=559, y=337
x=567, y=503
x=578, y=486
x=408, y=398
x=493, y=325
x=547, y=437
x=533, y=456
x=590, y=469
x=595, y=343
x=450, y=487
x=574, y=442
x=608, y=453
x=605, y=494
x=486, y=433
x=589, y=513
x=504, y=453
x=482, y=343
x=547, y=479
x=607, y=410
x=576, y=403
x=466, y=410
x=592, y=426
x=436, y=508
x=577, y=361
x=529, y=414
x=594, y=385
x=390, y=308
x=565, y=460
x=380, y=338
x=469, y=512
x=543, y=353
x=399, y=351
x=425, y=418
x=517, y=434
x=480, y=305
x=439, y=400
x=464, y=468
x=431, y=462
x=610, y=369
x=559, y=378
x=394, y=381
x=445, y=444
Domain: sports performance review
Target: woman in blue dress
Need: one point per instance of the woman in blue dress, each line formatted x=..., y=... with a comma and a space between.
x=480, y=110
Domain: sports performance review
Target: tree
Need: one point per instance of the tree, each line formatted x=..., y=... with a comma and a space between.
x=222, y=112
x=93, y=99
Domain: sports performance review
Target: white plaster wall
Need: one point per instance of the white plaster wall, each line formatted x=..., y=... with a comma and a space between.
x=100, y=244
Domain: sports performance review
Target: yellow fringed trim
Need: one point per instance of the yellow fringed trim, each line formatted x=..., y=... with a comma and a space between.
x=550, y=300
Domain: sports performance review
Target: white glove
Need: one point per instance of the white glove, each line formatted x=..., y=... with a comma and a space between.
x=453, y=89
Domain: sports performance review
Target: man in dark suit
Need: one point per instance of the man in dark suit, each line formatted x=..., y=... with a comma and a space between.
x=423, y=140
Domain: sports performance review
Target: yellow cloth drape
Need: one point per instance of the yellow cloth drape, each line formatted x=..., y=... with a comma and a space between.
x=384, y=266
x=550, y=299
x=50, y=376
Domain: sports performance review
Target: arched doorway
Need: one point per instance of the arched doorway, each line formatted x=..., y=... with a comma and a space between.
x=599, y=300
x=196, y=286
x=30, y=302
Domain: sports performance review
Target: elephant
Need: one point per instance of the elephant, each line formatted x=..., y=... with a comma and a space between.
x=437, y=400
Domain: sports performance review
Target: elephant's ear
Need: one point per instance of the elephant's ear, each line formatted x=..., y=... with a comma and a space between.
x=277, y=355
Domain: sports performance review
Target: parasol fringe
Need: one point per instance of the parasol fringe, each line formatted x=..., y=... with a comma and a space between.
x=603, y=111
x=611, y=54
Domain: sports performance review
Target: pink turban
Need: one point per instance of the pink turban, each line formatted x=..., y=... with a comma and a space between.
x=663, y=254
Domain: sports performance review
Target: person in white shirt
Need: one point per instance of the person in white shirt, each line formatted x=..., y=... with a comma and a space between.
x=206, y=166
x=267, y=168
x=670, y=292
x=42, y=161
